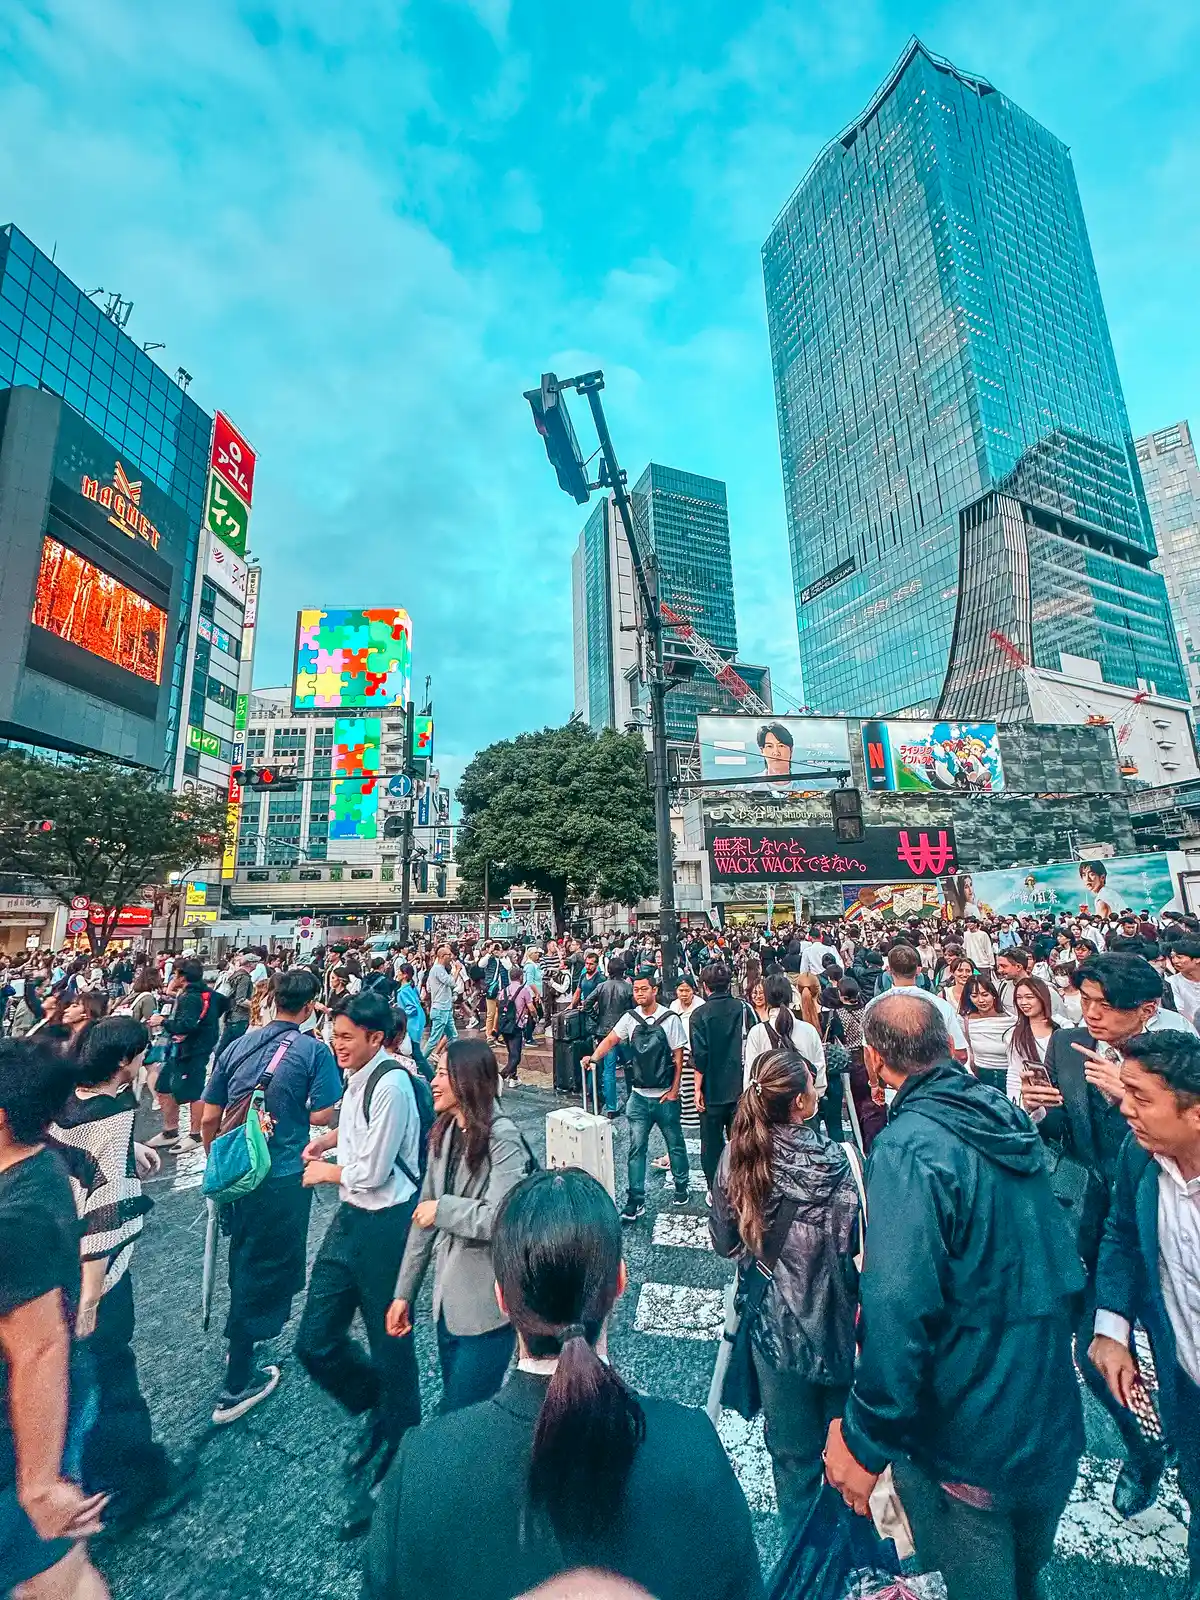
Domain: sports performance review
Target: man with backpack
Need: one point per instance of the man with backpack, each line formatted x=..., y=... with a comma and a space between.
x=656, y=1039
x=375, y=1163
x=268, y=1228
x=605, y=1006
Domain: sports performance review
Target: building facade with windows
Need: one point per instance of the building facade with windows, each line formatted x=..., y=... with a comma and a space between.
x=287, y=862
x=956, y=454
x=682, y=520
x=1172, y=481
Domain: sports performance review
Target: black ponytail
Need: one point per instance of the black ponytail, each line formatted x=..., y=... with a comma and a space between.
x=556, y=1250
x=778, y=994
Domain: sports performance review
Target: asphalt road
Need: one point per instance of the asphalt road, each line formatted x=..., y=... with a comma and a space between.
x=265, y=1515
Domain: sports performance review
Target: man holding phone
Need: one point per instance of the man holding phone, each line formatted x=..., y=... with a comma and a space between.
x=1077, y=1109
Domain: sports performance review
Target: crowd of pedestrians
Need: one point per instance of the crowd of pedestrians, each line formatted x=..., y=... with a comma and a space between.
x=963, y=1160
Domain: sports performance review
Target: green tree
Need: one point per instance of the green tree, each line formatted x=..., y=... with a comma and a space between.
x=565, y=811
x=115, y=832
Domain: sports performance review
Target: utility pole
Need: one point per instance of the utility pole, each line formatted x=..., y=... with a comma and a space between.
x=553, y=423
x=406, y=838
x=487, y=901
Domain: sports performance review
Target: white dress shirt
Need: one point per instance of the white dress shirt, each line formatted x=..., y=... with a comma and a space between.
x=1178, y=1267
x=367, y=1152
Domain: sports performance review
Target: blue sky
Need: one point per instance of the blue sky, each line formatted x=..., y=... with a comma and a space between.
x=365, y=227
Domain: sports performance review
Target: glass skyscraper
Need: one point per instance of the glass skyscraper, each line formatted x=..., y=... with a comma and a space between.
x=682, y=520
x=957, y=459
x=54, y=337
x=1172, y=481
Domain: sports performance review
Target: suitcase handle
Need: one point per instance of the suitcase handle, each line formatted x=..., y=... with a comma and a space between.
x=591, y=1072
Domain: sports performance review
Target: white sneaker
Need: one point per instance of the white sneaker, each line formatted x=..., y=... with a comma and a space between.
x=165, y=1141
x=230, y=1407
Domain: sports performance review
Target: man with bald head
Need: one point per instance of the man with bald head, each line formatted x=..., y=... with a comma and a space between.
x=965, y=1381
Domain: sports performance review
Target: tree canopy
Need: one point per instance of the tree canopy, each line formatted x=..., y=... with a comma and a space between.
x=115, y=832
x=565, y=811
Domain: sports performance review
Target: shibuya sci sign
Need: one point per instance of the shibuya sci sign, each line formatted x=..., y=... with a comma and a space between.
x=739, y=854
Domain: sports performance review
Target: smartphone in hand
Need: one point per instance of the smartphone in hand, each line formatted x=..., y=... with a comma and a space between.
x=1036, y=1075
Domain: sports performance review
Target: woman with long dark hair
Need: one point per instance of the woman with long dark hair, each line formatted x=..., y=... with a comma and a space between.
x=782, y=1029
x=476, y=1155
x=566, y=1467
x=1034, y=1028
x=988, y=1027
x=803, y=1338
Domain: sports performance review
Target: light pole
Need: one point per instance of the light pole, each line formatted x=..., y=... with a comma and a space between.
x=552, y=422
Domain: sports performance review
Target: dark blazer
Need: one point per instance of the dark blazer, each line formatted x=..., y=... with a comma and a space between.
x=716, y=1038
x=454, y=1520
x=1127, y=1279
x=1088, y=1127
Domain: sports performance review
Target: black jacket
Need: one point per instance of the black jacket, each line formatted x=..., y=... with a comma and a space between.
x=967, y=1298
x=807, y=1320
x=195, y=1023
x=1087, y=1126
x=717, y=1048
x=454, y=1520
x=609, y=1003
x=1128, y=1275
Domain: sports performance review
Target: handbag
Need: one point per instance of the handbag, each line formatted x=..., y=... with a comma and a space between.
x=240, y=1159
x=739, y=1388
x=1071, y=1182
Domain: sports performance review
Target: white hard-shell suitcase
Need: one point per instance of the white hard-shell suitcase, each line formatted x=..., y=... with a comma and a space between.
x=582, y=1138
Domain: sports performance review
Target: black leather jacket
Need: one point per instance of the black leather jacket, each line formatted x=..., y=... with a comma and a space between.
x=807, y=1320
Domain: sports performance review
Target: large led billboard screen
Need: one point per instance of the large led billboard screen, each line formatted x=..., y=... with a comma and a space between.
x=944, y=757
x=353, y=660
x=814, y=752
x=354, y=792
x=90, y=608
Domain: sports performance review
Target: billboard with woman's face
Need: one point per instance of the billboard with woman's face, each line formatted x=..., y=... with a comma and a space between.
x=1104, y=888
x=778, y=753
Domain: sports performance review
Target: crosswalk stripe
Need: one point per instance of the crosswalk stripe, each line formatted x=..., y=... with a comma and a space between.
x=679, y=1311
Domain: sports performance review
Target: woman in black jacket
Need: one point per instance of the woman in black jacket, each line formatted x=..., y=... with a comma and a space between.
x=803, y=1338
x=565, y=1467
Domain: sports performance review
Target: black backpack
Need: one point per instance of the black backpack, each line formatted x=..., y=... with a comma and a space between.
x=653, y=1065
x=423, y=1095
x=506, y=1016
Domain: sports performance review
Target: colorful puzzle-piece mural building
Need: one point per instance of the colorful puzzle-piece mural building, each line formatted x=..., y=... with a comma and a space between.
x=354, y=790
x=353, y=660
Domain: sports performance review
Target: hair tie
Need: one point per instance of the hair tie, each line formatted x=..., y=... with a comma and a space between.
x=573, y=1330
x=756, y=1086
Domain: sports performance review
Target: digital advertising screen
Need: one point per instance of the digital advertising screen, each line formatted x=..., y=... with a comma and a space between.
x=359, y=660
x=741, y=854
x=1118, y=883
x=813, y=752
x=933, y=757
x=891, y=902
x=354, y=791
x=88, y=607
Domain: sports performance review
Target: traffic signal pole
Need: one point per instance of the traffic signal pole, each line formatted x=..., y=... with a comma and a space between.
x=406, y=838
x=644, y=568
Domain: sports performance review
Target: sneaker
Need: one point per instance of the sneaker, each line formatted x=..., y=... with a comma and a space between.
x=633, y=1210
x=708, y=1198
x=164, y=1140
x=682, y=1197
x=230, y=1407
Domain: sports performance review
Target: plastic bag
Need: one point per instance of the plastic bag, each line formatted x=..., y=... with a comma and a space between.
x=832, y=1554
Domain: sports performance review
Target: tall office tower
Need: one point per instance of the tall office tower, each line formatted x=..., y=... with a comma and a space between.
x=1172, y=480
x=683, y=522
x=957, y=459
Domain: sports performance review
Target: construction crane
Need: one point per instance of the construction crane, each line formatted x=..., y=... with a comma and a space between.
x=715, y=662
x=1122, y=727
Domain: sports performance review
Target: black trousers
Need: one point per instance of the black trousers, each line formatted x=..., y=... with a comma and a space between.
x=120, y=1454
x=1145, y=1455
x=1183, y=1430
x=355, y=1271
x=268, y=1257
x=796, y=1418
x=715, y=1123
x=982, y=1555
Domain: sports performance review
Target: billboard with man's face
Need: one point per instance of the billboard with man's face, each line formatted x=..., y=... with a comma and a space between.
x=1104, y=888
x=780, y=754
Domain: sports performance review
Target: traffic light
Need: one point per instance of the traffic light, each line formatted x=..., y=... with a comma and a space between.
x=272, y=778
x=393, y=826
x=845, y=806
x=551, y=420
x=42, y=825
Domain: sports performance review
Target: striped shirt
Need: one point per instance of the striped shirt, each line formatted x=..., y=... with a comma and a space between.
x=94, y=1136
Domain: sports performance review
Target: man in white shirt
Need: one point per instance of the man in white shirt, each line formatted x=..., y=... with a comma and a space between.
x=904, y=963
x=654, y=1067
x=375, y=1165
x=1185, y=981
x=978, y=947
x=1149, y=1267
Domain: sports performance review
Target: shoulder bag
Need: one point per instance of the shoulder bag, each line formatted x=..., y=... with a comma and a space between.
x=739, y=1388
x=240, y=1159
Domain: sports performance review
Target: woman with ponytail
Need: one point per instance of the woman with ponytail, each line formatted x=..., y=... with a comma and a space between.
x=566, y=1467
x=784, y=1030
x=802, y=1340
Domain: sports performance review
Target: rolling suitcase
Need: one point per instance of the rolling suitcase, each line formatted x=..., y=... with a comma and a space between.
x=567, y=1074
x=582, y=1138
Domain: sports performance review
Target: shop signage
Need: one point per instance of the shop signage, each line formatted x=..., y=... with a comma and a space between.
x=827, y=580
x=227, y=516
x=122, y=500
x=226, y=570
x=207, y=743
x=741, y=854
x=233, y=458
